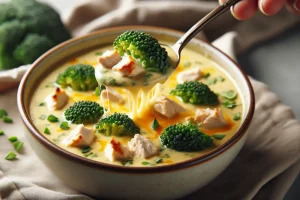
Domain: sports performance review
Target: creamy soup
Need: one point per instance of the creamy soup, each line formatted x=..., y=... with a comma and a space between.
x=143, y=115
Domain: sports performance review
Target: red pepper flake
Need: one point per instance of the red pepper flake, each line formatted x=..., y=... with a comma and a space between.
x=116, y=145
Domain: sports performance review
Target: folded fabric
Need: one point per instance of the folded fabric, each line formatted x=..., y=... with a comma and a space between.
x=267, y=164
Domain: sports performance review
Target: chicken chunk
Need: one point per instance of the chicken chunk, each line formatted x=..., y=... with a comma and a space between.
x=127, y=68
x=114, y=150
x=141, y=146
x=210, y=119
x=109, y=59
x=167, y=107
x=193, y=74
x=112, y=95
x=80, y=137
x=57, y=100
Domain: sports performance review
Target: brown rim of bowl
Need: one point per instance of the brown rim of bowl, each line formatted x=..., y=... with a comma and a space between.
x=91, y=163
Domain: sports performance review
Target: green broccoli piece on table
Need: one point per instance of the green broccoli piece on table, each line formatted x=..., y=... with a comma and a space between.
x=32, y=47
x=117, y=124
x=7, y=12
x=144, y=49
x=84, y=112
x=195, y=92
x=79, y=77
x=187, y=138
x=8, y=62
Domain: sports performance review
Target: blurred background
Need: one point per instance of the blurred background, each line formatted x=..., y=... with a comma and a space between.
x=275, y=62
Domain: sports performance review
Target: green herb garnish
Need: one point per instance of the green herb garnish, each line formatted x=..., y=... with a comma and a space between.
x=42, y=104
x=229, y=104
x=229, y=94
x=1, y=132
x=7, y=119
x=207, y=75
x=147, y=163
x=155, y=124
x=218, y=137
x=221, y=79
x=43, y=117
x=158, y=160
x=52, y=118
x=237, y=116
x=187, y=64
x=85, y=149
x=18, y=145
x=127, y=162
x=10, y=156
x=99, y=53
x=64, y=125
x=3, y=113
x=212, y=81
x=13, y=138
x=88, y=154
x=47, y=131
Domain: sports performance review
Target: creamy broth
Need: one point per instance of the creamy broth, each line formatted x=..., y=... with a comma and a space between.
x=219, y=81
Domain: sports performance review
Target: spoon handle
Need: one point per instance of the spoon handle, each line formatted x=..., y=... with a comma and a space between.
x=180, y=44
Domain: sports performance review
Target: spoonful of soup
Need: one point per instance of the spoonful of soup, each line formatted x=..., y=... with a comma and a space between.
x=139, y=60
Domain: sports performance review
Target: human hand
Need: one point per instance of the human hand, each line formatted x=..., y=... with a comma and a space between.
x=245, y=9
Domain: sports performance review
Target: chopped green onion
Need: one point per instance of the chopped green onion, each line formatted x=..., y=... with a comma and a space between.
x=10, y=156
x=64, y=126
x=212, y=81
x=13, y=138
x=237, y=116
x=18, y=145
x=229, y=94
x=165, y=156
x=207, y=75
x=42, y=104
x=85, y=149
x=158, y=160
x=43, y=117
x=187, y=64
x=52, y=118
x=127, y=162
x=7, y=119
x=220, y=78
x=229, y=104
x=47, y=131
x=147, y=163
x=88, y=154
x=155, y=124
x=3, y=113
x=1, y=132
x=218, y=137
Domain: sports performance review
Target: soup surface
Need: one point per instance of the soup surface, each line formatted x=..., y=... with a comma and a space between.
x=214, y=76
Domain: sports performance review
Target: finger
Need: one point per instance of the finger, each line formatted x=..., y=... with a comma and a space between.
x=244, y=10
x=293, y=6
x=270, y=7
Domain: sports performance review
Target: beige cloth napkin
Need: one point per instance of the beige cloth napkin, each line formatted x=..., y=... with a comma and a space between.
x=267, y=164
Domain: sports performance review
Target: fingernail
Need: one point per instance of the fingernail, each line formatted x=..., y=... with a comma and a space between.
x=261, y=6
x=297, y=5
x=232, y=12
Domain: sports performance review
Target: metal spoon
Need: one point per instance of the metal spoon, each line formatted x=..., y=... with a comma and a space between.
x=184, y=40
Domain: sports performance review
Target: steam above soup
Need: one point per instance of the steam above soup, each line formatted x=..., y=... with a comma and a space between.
x=127, y=119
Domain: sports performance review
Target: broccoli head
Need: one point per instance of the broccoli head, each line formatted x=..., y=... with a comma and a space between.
x=187, y=138
x=144, y=49
x=84, y=112
x=8, y=62
x=11, y=34
x=79, y=77
x=117, y=124
x=32, y=47
x=7, y=13
x=195, y=92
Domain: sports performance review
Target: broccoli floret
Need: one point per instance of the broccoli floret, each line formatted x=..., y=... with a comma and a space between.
x=117, y=124
x=84, y=112
x=42, y=19
x=7, y=12
x=195, y=92
x=144, y=49
x=32, y=47
x=8, y=62
x=11, y=34
x=79, y=77
x=188, y=138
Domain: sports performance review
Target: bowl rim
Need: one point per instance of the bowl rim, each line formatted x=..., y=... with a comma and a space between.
x=123, y=169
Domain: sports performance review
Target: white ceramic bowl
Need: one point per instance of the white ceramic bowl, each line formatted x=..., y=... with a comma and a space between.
x=104, y=180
